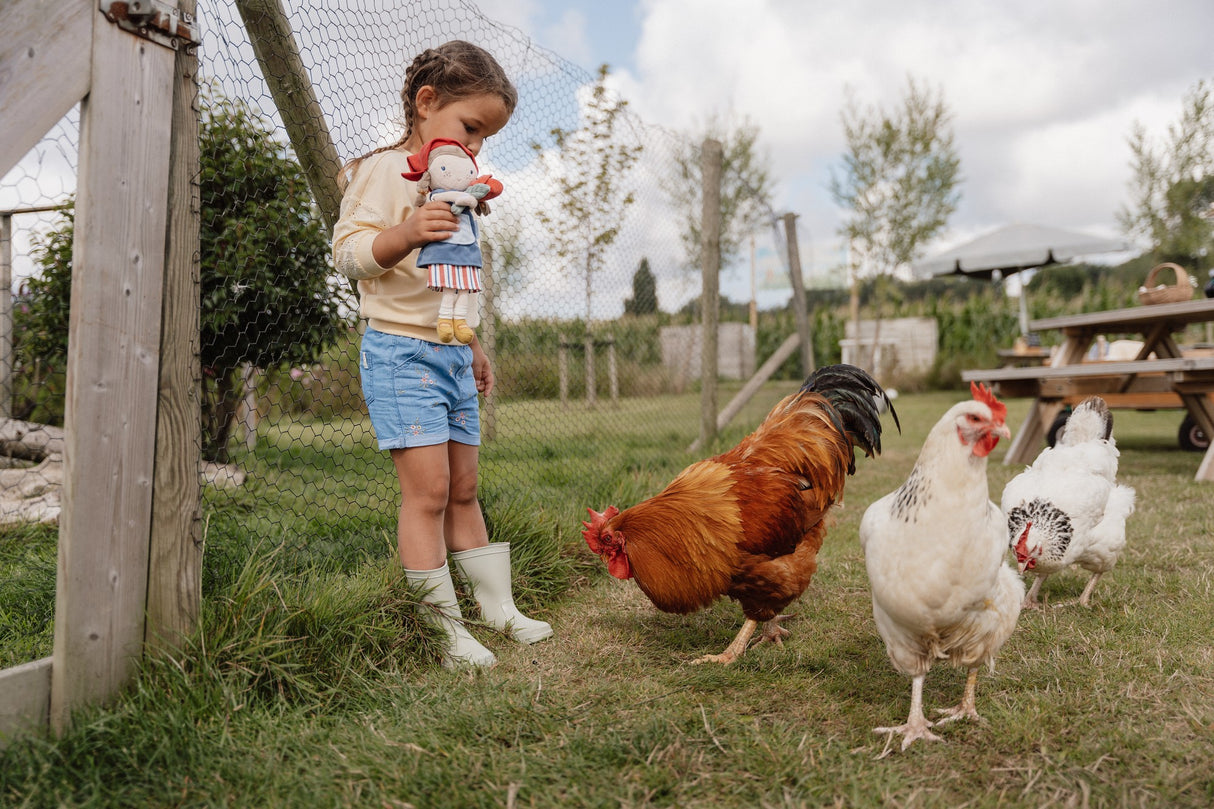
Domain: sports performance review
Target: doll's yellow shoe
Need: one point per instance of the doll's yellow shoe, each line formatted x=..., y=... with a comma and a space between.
x=446, y=330
x=462, y=332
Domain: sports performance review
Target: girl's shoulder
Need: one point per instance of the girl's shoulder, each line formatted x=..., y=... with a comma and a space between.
x=387, y=160
x=380, y=171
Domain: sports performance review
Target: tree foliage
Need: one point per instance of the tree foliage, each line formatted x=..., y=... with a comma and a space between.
x=644, y=300
x=746, y=188
x=899, y=177
x=267, y=290
x=590, y=168
x=1172, y=186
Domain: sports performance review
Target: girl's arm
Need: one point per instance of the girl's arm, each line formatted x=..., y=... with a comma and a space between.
x=482, y=371
x=430, y=223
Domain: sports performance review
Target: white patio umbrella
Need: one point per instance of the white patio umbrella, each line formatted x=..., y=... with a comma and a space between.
x=1013, y=248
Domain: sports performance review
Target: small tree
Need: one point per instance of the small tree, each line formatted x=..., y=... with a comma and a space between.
x=1172, y=187
x=644, y=300
x=899, y=181
x=268, y=297
x=590, y=168
x=899, y=177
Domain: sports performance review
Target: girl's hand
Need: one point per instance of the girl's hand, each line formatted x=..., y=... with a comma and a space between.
x=482, y=372
x=433, y=222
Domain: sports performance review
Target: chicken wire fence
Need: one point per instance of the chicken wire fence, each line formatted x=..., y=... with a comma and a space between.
x=284, y=425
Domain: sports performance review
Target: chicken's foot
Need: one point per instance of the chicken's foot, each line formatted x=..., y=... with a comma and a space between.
x=968, y=709
x=1030, y=598
x=1086, y=595
x=773, y=632
x=735, y=649
x=916, y=726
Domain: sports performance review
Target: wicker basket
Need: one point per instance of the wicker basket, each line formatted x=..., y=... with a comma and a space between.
x=1153, y=291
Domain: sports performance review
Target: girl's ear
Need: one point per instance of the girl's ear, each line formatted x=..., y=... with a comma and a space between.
x=425, y=101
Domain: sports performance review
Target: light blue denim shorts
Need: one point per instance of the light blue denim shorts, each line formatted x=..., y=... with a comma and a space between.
x=418, y=393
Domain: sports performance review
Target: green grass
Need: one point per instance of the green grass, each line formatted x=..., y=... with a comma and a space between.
x=313, y=683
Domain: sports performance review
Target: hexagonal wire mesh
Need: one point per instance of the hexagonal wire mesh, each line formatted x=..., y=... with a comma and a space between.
x=284, y=421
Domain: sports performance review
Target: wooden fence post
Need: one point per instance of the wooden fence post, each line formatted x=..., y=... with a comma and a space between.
x=612, y=372
x=562, y=366
x=710, y=268
x=6, y=314
x=799, y=306
x=591, y=393
x=112, y=368
x=175, y=548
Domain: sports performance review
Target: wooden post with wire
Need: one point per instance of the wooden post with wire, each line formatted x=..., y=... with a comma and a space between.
x=711, y=159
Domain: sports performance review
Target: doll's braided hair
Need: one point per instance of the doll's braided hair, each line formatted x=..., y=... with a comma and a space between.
x=455, y=69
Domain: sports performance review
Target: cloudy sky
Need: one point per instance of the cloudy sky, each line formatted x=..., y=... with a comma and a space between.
x=1044, y=93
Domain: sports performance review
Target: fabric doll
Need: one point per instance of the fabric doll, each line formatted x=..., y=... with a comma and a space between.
x=446, y=171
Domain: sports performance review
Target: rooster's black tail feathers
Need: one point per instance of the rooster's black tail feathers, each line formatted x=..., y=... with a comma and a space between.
x=858, y=402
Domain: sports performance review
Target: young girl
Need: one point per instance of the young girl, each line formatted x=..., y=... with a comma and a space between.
x=420, y=392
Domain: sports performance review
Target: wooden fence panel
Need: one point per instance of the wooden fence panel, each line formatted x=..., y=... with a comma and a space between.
x=113, y=358
x=44, y=68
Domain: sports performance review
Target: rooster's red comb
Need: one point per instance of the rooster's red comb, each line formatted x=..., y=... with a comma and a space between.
x=594, y=528
x=983, y=394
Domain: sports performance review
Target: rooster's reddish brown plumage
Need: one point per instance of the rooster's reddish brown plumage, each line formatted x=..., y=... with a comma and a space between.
x=748, y=523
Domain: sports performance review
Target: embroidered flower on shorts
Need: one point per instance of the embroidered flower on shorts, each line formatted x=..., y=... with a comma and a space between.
x=416, y=429
x=426, y=379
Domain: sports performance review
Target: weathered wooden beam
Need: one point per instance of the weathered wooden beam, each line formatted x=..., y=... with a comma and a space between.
x=44, y=69
x=283, y=69
x=25, y=698
x=175, y=553
x=112, y=369
x=711, y=159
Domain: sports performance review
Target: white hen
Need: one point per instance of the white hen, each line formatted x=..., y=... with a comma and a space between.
x=1067, y=508
x=934, y=549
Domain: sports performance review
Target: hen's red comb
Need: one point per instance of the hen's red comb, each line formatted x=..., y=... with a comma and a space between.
x=594, y=528
x=983, y=394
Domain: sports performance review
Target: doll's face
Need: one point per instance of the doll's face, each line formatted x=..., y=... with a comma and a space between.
x=453, y=171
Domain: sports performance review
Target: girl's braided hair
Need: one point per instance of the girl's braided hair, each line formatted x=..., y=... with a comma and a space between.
x=456, y=69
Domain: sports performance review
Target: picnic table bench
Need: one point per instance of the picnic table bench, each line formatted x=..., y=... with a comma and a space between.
x=1161, y=376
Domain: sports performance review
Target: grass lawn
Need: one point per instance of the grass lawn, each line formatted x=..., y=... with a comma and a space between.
x=314, y=685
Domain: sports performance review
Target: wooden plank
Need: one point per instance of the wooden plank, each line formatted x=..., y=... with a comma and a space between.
x=175, y=552
x=1121, y=368
x=283, y=69
x=25, y=698
x=113, y=354
x=1131, y=319
x=44, y=69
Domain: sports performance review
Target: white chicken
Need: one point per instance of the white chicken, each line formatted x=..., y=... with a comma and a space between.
x=934, y=550
x=1067, y=508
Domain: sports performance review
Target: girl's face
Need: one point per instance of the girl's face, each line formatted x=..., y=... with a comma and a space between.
x=468, y=120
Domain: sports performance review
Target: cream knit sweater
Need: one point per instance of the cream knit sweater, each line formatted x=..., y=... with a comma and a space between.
x=394, y=300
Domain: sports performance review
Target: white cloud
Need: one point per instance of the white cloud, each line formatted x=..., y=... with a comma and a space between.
x=1043, y=92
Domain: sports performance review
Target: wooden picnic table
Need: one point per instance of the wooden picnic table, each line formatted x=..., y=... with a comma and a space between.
x=1160, y=376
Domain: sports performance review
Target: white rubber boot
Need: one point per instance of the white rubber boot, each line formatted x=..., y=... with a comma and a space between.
x=439, y=591
x=487, y=569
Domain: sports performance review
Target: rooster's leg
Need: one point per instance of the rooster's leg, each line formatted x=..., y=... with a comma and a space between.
x=968, y=709
x=734, y=650
x=1087, y=591
x=1030, y=598
x=916, y=726
x=773, y=632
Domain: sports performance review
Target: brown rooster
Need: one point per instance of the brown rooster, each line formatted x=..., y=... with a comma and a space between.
x=748, y=523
